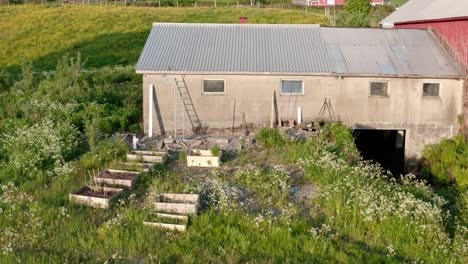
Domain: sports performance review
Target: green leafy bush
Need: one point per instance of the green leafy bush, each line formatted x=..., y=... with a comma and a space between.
x=104, y=153
x=357, y=13
x=447, y=161
x=215, y=150
x=341, y=140
x=270, y=137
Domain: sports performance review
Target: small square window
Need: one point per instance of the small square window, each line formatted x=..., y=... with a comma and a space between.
x=213, y=86
x=289, y=87
x=431, y=89
x=379, y=89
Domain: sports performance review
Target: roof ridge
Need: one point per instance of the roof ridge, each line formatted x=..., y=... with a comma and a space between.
x=295, y=49
x=234, y=24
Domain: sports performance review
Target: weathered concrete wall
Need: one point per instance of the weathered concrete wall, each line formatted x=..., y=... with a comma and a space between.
x=427, y=119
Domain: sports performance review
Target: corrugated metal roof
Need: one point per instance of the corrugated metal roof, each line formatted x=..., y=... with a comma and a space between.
x=234, y=48
x=292, y=49
x=386, y=52
x=417, y=10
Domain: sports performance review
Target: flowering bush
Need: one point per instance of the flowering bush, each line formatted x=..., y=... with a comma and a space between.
x=43, y=146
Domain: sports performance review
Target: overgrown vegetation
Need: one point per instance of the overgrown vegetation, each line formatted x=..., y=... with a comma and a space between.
x=250, y=211
x=448, y=161
x=279, y=201
x=270, y=137
x=44, y=116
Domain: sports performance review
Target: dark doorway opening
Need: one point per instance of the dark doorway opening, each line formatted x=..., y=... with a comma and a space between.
x=386, y=147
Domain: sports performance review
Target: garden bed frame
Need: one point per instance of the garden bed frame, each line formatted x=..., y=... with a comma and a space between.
x=203, y=158
x=102, y=179
x=92, y=201
x=173, y=227
x=177, y=203
x=147, y=156
x=145, y=167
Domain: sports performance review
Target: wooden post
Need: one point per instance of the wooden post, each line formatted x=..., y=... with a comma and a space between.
x=233, y=116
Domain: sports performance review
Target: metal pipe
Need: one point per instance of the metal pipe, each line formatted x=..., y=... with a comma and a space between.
x=150, y=111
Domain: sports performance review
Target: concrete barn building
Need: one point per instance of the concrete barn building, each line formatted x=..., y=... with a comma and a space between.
x=447, y=18
x=396, y=87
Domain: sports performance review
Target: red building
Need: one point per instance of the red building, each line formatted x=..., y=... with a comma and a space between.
x=335, y=2
x=448, y=18
x=326, y=2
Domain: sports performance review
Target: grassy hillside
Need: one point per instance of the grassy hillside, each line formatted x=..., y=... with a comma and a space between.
x=105, y=34
x=274, y=201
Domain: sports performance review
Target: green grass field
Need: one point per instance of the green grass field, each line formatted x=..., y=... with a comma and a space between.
x=275, y=201
x=107, y=35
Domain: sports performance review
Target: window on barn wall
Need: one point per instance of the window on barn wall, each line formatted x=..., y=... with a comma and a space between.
x=214, y=86
x=379, y=89
x=431, y=89
x=292, y=87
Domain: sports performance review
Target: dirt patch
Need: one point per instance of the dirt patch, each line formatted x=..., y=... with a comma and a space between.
x=99, y=193
x=305, y=192
x=118, y=175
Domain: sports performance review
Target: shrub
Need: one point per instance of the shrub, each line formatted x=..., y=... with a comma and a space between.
x=270, y=137
x=447, y=161
x=104, y=153
x=183, y=157
x=357, y=13
x=215, y=150
x=341, y=139
x=358, y=6
x=67, y=84
x=43, y=146
x=93, y=133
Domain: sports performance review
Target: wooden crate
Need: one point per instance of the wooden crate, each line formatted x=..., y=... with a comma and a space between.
x=145, y=167
x=80, y=197
x=103, y=179
x=147, y=156
x=177, y=203
x=203, y=158
x=170, y=226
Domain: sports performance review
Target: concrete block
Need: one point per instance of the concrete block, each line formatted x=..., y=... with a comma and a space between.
x=95, y=196
x=169, y=141
x=117, y=177
x=203, y=158
x=222, y=141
